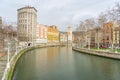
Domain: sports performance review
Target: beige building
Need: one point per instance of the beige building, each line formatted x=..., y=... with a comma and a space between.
x=98, y=36
x=27, y=23
x=94, y=37
x=63, y=37
x=116, y=34
x=90, y=38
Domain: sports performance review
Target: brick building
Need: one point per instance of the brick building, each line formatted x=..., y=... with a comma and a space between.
x=108, y=33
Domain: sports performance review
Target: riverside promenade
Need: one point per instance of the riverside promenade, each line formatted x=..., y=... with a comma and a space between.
x=3, y=62
x=100, y=53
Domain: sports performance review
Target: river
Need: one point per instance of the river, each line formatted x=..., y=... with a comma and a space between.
x=62, y=63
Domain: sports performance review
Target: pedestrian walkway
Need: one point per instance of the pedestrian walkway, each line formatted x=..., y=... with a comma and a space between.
x=3, y=62
x=106, y=54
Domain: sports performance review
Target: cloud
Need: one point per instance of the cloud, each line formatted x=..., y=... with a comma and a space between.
x=59, y=12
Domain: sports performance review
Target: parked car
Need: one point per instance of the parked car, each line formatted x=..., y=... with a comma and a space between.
x=104, y=47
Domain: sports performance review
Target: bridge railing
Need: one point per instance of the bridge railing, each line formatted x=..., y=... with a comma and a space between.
x=10, y=56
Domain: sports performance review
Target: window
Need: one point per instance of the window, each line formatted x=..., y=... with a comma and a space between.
x=107, y=37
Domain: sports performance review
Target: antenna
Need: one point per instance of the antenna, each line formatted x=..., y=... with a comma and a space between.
x=27, y=2
x=30, y=2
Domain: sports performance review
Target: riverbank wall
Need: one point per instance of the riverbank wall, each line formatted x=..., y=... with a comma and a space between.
x=105, y=54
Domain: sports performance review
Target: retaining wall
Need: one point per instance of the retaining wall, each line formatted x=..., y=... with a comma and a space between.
x=106, y=54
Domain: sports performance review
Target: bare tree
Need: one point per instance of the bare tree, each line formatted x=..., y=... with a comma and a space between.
x=114, y=14
x=90, y=23
x=101, y=19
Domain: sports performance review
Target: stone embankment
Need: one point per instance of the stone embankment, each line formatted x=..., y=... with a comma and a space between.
x=106, y=54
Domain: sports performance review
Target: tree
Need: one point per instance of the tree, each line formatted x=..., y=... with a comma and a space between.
x=101, y=19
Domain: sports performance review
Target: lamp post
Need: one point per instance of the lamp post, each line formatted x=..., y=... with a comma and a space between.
x=8, y=60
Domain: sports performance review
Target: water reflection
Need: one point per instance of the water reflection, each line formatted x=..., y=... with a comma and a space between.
x=96, y=67
x=61, y=63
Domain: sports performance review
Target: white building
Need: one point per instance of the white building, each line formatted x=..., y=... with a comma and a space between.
x=26, y=24
x=69, y=31
x=63, y=37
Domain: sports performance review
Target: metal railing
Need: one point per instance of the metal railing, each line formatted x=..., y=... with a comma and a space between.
x=10, y=59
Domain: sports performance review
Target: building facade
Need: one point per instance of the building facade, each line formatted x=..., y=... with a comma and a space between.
x=98, y=37
x=108, y=33
x=116, y=36
x=41, y=34
x=63, y=37
x=27, y=23
x=69, y=32
x=52, y=34
x=94, y=37
x=90, y=38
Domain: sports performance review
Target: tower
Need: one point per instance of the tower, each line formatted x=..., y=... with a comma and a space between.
x=69, y=33
x=27, y=23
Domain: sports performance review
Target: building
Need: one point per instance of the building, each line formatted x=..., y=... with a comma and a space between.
x=90, y=38
x=41, y=34
x=116, y=36
x=108, y=30
x=98, y=36
x=52, y=34
x=27, y=23
x=79, y=39
x=76, y=36
x=63, y=37
x=69, y=32
x=1, y=35
x=94, y=37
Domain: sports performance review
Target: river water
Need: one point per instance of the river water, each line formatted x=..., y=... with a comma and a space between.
x=62, y=63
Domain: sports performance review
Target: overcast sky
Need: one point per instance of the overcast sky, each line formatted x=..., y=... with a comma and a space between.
x=62, y=13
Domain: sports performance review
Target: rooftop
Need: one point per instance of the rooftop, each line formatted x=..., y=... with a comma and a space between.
x=27, y=7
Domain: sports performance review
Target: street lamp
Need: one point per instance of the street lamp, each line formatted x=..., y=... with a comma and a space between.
x=8, y=60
